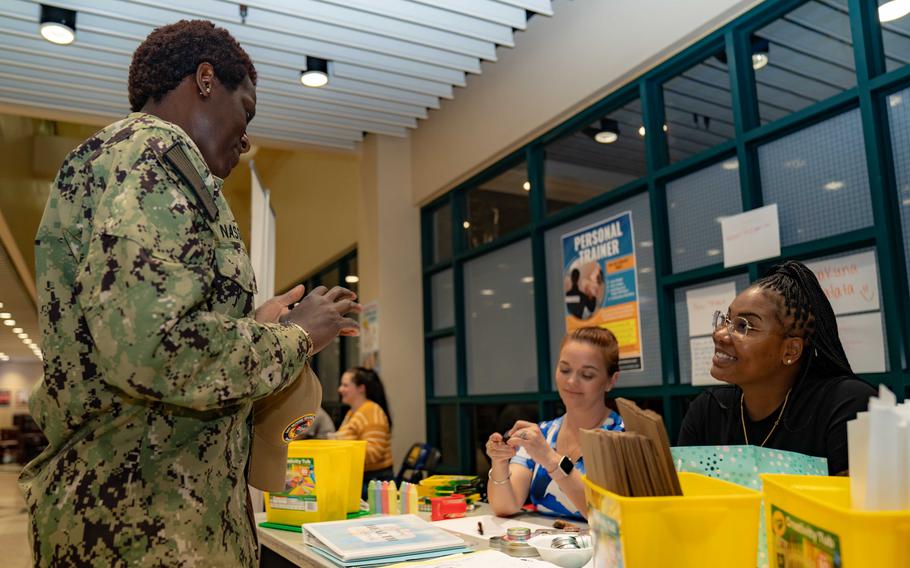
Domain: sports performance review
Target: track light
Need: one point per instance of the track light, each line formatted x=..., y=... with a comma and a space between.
x=58, y=25
x=316, y=73
x=606, y=132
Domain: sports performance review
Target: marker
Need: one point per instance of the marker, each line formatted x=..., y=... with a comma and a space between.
x=371, y=496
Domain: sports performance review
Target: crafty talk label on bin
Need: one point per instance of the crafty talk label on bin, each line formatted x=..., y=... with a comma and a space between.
x=798, y=543
x=299, y=487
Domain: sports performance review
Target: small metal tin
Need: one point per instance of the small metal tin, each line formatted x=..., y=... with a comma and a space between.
x=518, y=549
x=518, y=534
x=563, y=542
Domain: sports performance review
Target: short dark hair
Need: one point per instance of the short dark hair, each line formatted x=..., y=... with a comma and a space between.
x=172, y=52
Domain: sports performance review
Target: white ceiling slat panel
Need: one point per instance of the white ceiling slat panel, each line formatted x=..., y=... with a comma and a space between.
x=343, y=16
x=390, y=60
x=540, y=6
x=431, y=17
x=511, y=16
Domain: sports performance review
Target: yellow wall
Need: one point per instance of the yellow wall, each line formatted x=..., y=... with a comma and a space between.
x=316, y=198
x=560, y=65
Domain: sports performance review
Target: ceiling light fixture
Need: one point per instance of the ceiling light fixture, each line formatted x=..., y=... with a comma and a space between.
x=466, y=224
x=834, y=185
x=316, y=73
x=352, y=279
x=760, y=49
x=10, y=323
x=731, y=164
x=606, y=131
x=17, y=330
x=5, y=315
x=58, y=25
x=526, y=186
x=894, y=10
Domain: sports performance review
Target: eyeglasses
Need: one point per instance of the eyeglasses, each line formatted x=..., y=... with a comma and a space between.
x=739, y=326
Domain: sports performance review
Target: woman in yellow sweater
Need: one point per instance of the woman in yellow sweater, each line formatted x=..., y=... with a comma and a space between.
x=369, y=420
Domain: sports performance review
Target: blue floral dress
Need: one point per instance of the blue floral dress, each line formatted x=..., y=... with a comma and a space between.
x=545, y=494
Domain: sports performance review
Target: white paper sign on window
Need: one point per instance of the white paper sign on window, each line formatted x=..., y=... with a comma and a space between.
x=850, y=282
x=702, y=350
x=750, y=236
x=701, y=303
x=864, y=343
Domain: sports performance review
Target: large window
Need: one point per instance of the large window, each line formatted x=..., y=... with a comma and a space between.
x=785, y=105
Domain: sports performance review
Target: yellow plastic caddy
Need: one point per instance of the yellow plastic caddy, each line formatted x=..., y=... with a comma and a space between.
x=714, y=523
x=810, y=522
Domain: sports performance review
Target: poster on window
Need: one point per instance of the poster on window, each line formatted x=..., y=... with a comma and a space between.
x=600, y=282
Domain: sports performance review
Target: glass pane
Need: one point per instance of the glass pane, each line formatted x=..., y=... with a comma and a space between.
x=447, y=417
x=698, y=108
x=818, y=178
x=330, y=278
x=499, y=317
x=895, y=34
x=697, y=337
x=899, y=118
x=442, y=295
x=489, y=418
x=352, y=352
x=802, y=58
x=351, y=277
x=442, y=234
x=695, y=205
x=444, y=382
x=328, y=371
x=606, y=154
x=557, y=284
x=498, y=206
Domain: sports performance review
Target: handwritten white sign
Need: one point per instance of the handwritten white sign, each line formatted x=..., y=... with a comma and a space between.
x=750, y=236
x=701, y=303
x=864, y=343
x=850, y=282
x=702, y=350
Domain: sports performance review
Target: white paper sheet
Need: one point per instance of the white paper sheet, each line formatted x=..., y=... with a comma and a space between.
x=864, y=343
x=702, y=349
x=750, y=236
x=850, y=282
x=701, y=303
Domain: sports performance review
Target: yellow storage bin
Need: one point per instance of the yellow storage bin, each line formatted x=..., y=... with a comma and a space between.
x=358, y=449
x=714, y=523
x=316, y=484
x=810, y=523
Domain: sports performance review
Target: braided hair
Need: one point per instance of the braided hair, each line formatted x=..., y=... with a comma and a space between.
x=362, y=376
x=802, y=297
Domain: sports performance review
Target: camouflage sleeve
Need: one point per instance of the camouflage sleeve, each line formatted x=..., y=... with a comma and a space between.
x=145, y=287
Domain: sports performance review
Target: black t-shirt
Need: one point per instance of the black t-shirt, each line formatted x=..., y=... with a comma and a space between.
x=814, y=422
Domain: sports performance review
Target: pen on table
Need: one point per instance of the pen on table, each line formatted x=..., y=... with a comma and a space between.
x=480, y=527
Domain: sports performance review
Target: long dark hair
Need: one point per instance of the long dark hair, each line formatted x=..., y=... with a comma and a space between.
x=813, y=319
x=374, y=389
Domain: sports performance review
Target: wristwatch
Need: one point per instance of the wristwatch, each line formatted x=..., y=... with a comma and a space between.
x=563, y=467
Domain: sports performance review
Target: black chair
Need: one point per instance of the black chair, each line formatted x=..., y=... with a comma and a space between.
x=419, y=463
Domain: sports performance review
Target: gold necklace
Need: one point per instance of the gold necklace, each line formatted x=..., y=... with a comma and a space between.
x=742, y=416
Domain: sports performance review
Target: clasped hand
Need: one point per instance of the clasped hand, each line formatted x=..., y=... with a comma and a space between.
x=525, y=435
x=321, y=313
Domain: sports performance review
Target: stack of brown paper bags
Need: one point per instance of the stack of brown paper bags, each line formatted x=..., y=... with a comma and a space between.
x=634, y=463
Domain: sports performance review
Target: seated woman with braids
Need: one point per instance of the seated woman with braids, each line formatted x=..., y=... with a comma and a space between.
x=791, y=387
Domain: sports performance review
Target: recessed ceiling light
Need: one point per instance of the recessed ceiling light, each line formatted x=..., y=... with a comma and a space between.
x=834, y=185
x=466, y=224
x=526, y=186
x=5, y=315
x=713, y=252
x=606, y=132
x=352, y=279
x=58, y=25
x=10, y=323
x=759, y=60
x=17, y=330
x=732, y=164
x=486, y=292
x=894, y=10
x=527, y=279
x=316, y=73
x=506, y=305
x=893, y=101
x=22, y=335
